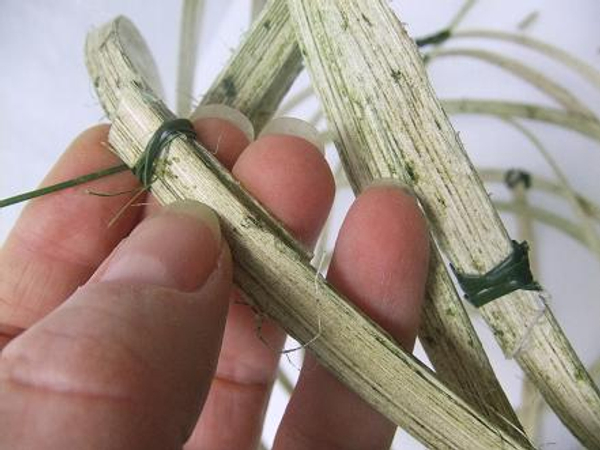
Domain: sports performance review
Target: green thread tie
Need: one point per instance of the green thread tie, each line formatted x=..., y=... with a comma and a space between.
x=162, y=137
x=515, y=177
x=437, y=38
x=64, y=185
x=143, y=169
x=510, y=275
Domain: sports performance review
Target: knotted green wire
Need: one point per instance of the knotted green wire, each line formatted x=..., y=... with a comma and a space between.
x=144, y=169
x=510, y=275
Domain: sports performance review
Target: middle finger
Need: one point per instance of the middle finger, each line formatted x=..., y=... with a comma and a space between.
x=290, y=177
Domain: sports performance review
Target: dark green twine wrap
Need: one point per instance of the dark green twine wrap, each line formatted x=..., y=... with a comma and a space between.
x=143, y=169
x=437, y=38
x=515, y=177
x=510, y=275
x=162, y=137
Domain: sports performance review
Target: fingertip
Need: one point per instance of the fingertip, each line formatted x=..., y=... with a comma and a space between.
x=61, y=238
x=95, y=134
x=90, y=145
x=225, y=138
x=123, y=359
x=228, y=114
x=380, y=264
x=290, y=176
x=291, y=126
x=381, y=258
x=177, y=248
x=204, y=214
x=399, y=209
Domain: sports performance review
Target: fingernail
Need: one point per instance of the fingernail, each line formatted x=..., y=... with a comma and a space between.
x=392, y=183
x=227, y=113
x=199, y=211
x=176, y=248
x=294, y=127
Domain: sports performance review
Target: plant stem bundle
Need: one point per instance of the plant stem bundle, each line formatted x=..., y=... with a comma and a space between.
x=273, y=270
x=387, y=123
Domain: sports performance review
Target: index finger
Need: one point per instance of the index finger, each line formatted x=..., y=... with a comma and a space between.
x=60, y=239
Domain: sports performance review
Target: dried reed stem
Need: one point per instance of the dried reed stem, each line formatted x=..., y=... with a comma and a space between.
x=586, y=71
x=273, y=269
x=388, y=122
x=588, y=126
x=536, y=78
x=447, y=334
x=189, y=39
x=530, y=411
x=260, y=73
x=538, y=182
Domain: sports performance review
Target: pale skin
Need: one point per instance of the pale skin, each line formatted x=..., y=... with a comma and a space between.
x=147, y=345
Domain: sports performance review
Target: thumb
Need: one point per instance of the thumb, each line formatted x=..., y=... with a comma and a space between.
x=127, y=361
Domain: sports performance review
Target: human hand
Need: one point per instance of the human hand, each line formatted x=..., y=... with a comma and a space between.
x=130, y=359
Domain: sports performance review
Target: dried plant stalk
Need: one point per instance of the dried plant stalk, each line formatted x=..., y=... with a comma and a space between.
x=256, y=8
x=545, y=185
x=532, y=76
x=453, y=346
x=447, y=334
x=531, y=403
x=589, y=73
x=271, y=267
x=584, y=124
x=546, y=217
x=258, y=93
x=587, y=227
x=189, y=39
x=387, y=122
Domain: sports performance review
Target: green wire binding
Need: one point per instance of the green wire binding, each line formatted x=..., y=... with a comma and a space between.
x=162, y=137
x=64, y=185
x=514, y=177
x=510, y=275
x=436, y=38
x=143, y=170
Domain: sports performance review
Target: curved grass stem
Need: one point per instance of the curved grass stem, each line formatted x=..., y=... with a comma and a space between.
x=388, y=123
x=545, y=185
x=532, y=76
x=189, y=42
x=582, y=68
x=64, y=185
x=461, y=14
x=583, y=124
x=546, y=217
x=591, y=237
x=530, y=406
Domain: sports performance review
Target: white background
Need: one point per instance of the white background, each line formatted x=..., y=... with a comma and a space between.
x=46, y=99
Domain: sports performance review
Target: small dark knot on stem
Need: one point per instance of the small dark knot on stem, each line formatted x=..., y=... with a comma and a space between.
x=515, y=177
x=509, y=275
x=145, y=167
x=437, y=38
